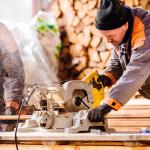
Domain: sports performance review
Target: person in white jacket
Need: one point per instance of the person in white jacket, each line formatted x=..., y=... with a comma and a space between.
x=11, y=77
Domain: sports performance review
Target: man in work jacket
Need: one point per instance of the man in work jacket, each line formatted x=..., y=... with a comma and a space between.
x=11, y=77
x=129, y=70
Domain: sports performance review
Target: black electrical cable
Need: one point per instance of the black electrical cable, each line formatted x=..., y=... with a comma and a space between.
x=85, y=104
x=16, y=140
x=79, y=100
x=25, y=99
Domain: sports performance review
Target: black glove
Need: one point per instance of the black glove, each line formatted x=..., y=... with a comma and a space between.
x=105, y=80
x=98, y=114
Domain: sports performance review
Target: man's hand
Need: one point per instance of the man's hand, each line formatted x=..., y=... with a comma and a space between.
x=105, y=80
x=98, y=114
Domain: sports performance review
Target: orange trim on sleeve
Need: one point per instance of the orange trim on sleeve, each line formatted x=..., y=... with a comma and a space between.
x=111, y=76
x=12, y=104
x=112, y=102
x=138, y=34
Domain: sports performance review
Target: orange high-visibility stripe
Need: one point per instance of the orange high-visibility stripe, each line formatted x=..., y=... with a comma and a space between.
x=138, y=34
x=112, y=103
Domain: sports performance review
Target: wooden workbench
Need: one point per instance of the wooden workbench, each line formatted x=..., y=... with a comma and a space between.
x=130, y=118
x=81, y=141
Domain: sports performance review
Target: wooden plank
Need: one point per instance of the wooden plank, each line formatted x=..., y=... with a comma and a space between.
x=53, y=146
x=142, y=113
x=141, y=102
x=15, y=117
x=44, y=135
x=126, y=122
x=36, y=147
x=126, y=129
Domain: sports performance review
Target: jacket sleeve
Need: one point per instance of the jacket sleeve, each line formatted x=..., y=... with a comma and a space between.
x=12, y=67
x=137, y=71
x=114, y=70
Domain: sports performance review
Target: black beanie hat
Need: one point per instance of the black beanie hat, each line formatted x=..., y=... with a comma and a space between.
x=111, y=15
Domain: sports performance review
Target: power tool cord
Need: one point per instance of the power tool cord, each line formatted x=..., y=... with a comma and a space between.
x=24, y=100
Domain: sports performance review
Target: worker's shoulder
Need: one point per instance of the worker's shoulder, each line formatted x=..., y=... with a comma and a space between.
x=3, y=26
x=4, y=31
x=141, y=27
x=141, y=16
x=140, y=12
x=7, y=42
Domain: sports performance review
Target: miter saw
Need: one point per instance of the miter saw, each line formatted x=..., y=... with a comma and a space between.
x=82, y=95
x=78, y=97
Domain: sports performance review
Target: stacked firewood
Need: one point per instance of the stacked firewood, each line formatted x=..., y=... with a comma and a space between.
x=84, y=48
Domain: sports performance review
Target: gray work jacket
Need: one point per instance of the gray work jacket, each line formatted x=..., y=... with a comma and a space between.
x=130, y=63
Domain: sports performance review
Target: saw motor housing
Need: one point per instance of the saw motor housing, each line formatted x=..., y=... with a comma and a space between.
x=82, y=95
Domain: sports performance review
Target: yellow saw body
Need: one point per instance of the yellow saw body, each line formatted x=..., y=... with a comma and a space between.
x=98, y=89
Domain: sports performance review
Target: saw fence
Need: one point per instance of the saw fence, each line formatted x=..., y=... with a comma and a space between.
x=84, y=48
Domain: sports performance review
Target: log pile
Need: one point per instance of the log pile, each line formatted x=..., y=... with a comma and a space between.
x=84, y=48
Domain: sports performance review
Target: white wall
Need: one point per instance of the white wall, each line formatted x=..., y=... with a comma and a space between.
x=16, y=10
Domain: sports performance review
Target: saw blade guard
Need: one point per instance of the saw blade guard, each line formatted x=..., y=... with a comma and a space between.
x=77, y=95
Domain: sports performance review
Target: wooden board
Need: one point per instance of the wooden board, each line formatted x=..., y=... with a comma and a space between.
x=70, y=147
x=44, y=135
x=15, y=117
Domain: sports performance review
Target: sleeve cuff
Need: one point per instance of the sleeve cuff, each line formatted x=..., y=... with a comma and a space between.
x=12, y=104
x=110, y=76
x=112, y=103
